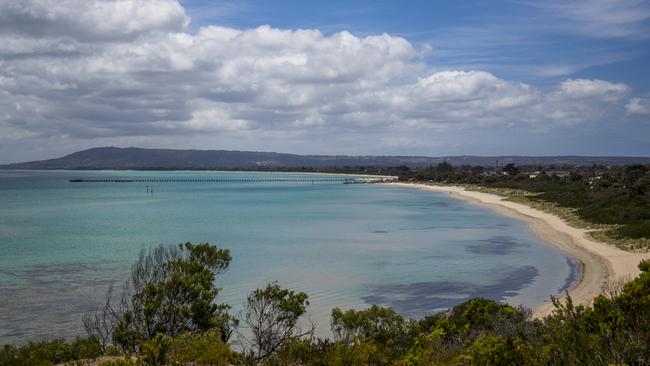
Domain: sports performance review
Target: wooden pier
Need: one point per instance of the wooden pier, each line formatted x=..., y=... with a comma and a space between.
x=237, y=180
x=209, y=180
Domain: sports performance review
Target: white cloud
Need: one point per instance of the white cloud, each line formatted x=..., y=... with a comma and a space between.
x=128, y=69
x=577, y=101
x=91, y=19
x=602, y=18
x=638, y=106
x=597, y=90
x=211, y=120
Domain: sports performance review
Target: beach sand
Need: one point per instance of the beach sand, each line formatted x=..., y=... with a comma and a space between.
x=602, y=264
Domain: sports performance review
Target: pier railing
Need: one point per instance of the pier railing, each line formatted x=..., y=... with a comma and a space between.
x=235, y=180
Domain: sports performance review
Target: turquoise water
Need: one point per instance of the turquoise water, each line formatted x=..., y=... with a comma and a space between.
x=346, y=245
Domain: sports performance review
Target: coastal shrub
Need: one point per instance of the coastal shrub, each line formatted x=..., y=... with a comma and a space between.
x=196, y=349
x=322, y=352
x=491, y=350
x=85, y=347
x=50, y=352
x=121, y=362
x=477, y=316
x=201, y=349
x=271, y=316
x=380, y=326
x=615, y=330
x=100, y=322
x=634, y=230
x=479, y=331
x=172, y=291
x=153, y=351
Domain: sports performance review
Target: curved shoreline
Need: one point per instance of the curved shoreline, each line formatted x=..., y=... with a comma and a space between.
x=602, y=263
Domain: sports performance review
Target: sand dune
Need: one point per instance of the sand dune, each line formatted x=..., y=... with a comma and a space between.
x=602, y=263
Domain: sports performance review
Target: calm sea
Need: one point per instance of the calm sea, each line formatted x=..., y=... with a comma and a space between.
x=346, y=245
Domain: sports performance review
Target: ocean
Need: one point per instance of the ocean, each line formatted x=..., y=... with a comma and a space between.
x=345, y=245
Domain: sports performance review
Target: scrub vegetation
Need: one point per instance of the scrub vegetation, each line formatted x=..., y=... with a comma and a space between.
x=167, y=314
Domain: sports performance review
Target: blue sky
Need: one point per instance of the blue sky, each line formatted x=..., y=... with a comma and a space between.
x=326, y=77
x=520, y=40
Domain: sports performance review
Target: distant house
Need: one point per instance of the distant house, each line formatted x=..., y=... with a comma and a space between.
x=594, y=179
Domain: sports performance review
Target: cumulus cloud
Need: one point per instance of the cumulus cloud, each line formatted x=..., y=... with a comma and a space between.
x=99, y=69
x=593, y=89
x=91, y=19
x=638, y=106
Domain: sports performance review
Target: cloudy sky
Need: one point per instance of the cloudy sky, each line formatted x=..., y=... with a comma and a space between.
x=328, y=77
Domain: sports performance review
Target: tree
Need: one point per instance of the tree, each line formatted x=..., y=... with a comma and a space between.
x=271, y=317
x=172, y=291
x=444, y=167
x=378, y=323
x=615, y=331
x=200, y=349
x=100, y=322
x=47, y=353
x=382, y=326
x=642, y=185
x=511, y=169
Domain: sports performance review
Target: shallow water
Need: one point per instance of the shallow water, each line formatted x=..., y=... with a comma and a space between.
x=346, y=245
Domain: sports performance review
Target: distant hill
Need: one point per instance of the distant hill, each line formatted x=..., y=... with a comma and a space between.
x=137, y=158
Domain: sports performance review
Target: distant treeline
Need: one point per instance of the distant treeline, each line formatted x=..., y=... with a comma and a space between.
x=166, y=314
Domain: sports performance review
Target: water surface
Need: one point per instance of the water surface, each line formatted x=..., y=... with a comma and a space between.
x=346, y=245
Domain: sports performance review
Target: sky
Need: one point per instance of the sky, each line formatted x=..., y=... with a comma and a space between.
x=430, y=78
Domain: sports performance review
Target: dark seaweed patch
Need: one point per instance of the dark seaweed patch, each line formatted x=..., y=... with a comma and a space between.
x=417, y=299
x=574, y=274
x=498, y=245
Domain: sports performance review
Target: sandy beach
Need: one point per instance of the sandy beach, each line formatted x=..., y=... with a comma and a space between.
x=602, y=263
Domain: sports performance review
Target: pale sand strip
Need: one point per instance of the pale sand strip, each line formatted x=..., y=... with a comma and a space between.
x=601, y=263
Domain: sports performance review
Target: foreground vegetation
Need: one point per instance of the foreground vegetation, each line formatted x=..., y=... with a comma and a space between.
x=166, y=314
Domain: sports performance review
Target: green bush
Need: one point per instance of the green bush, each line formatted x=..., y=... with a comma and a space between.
x=324, y=352
x=50, y=352
x=120, y=362
x=634, y=230
x=379, y=326
x=200, y=349
x=489, y=350
x=172, y=291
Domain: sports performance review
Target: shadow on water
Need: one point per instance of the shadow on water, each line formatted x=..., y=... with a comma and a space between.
x=417, y=299
x=574, y=274
x=497, y=245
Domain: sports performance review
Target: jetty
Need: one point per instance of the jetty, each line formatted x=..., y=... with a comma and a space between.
x=236, y=180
